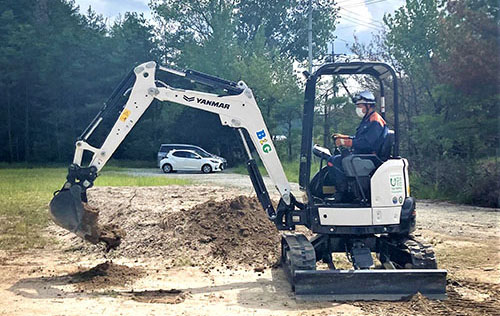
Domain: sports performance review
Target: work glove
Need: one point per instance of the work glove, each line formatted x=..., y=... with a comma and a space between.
x=343, y=142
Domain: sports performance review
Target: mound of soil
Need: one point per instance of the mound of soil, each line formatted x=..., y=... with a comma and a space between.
x=233, y=231
x=105, y=275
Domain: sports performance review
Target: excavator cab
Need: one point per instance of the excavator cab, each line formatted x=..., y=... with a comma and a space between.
x=377, y=220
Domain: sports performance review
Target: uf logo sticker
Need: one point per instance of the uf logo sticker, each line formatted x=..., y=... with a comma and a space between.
x=261, y=135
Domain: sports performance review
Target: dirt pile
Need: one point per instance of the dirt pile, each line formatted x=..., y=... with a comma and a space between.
x=105, y=275
x=232, y=231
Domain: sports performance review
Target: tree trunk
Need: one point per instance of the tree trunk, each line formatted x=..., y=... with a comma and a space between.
x=9, y=126
x=41, y=12
x=26, y=124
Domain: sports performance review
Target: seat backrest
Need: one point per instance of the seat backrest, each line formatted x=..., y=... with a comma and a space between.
x=386, y=149
x=355, y=166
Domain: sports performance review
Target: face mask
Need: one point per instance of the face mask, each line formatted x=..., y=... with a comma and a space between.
x=359, y=112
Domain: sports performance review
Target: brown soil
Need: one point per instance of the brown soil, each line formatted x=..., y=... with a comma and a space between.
x=158, y=296
x=235, y=232
x=105, y=275
x=110, y=235
x=477, y=299
x=190, y=248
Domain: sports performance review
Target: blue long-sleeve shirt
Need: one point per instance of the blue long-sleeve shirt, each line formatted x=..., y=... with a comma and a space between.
x=370, y=134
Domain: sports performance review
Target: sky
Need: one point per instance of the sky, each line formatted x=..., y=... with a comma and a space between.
x=360, y=17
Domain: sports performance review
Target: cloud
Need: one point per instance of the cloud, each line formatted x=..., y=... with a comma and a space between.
x=362, y=18
x=355, y=17
x=111, y=8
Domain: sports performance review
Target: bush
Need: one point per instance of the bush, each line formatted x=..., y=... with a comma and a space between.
x=485, y=184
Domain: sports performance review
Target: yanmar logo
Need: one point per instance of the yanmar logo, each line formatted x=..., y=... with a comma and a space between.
x=207, y=102
x=189, y=99
x=213, y=103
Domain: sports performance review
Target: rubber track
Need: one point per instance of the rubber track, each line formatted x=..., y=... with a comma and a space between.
x=301, y=253
x=422, y=256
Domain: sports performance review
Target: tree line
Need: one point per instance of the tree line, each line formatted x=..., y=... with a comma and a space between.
x=59, y=65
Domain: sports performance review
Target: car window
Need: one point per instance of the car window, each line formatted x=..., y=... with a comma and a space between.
x=191, y=155
x=165, y=149
x=181, y=154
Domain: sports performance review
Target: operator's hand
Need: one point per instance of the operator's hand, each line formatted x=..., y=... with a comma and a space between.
x=343, y=142
x=337, y=136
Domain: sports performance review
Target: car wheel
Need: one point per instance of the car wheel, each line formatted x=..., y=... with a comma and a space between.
x=221, y=167
x=167, y=168
x=206, y=169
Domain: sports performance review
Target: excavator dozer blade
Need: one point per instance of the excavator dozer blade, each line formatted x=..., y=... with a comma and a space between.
x=68, y=211
x=386, y=285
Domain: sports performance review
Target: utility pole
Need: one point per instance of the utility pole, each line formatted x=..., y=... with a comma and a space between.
x=309, y=35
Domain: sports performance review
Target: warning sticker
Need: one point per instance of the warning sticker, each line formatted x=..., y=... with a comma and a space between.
x=396, y=181
x=125, y=115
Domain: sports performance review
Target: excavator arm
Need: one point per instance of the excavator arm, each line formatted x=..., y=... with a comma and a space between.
x=237, y=109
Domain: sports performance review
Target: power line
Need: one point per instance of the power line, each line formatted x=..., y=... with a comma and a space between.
x=358, y=4
x=361, y=23
x=371, y=20
x=374, y=24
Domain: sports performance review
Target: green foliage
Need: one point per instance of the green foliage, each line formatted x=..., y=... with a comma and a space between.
x=449, y=96
x=58, y=66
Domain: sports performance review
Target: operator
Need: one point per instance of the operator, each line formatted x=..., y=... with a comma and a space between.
x=369, y=137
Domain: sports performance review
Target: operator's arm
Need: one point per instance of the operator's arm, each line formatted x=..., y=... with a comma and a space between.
x=368, y=138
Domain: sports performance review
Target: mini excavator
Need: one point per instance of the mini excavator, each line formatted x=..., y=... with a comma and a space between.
x=378, y=221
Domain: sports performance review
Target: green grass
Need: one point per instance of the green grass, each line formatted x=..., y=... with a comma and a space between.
x=25, y=195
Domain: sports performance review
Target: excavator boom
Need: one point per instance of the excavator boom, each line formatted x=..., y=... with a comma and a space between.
x=237, y=109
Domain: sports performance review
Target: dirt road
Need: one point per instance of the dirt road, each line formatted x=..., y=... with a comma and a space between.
x=174, y=260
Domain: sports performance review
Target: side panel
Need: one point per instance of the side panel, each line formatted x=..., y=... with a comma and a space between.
x=388, y=184
x=345, y=216
x=386, y=215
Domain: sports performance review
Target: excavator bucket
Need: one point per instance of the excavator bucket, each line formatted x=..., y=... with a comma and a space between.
x=68, y=211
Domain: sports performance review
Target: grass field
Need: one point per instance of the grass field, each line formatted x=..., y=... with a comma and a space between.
x=25, y=195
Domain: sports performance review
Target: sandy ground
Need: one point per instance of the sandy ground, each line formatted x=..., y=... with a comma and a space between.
x=74, y=278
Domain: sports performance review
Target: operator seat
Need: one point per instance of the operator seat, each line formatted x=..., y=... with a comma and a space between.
x=358, y=168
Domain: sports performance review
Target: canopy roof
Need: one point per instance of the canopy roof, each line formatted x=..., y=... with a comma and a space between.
x=376, y=69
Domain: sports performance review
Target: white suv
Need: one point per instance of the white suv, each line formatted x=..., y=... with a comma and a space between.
x=188, y=160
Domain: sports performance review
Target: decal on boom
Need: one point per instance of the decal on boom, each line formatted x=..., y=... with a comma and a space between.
x=261, y=135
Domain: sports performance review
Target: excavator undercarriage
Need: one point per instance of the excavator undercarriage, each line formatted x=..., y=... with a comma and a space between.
x=406, y=267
